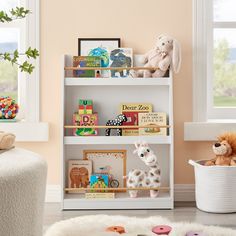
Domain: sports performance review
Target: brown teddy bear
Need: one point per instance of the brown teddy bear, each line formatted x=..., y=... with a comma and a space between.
x=225, y=151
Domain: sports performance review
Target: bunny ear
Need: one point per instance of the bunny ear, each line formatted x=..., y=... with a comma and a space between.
x=137, y=144
x=176, y=56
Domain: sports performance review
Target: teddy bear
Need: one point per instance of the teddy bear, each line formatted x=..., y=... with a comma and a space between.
x=164, y=54
x=225, y=151
x=7, y=140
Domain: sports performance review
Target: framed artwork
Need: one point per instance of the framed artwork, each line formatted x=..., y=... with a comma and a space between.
x=99, y=47
x=109, y=162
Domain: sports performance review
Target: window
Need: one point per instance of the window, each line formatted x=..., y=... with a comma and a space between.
x=215, y=59
x=20, y=34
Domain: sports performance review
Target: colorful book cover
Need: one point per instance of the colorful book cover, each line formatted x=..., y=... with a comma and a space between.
x=154, y=118
x=131, y=110
x=99, y=195
x=85, y=107
x=121, y=57
x=85, y=120
x=99, y=181
x=79, y=172
x=86, y=61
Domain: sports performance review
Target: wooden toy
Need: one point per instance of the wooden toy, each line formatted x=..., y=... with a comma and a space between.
x=118, y=121
x=117, y=229
x=162, y=229
x=85, y=107
x=195, y=233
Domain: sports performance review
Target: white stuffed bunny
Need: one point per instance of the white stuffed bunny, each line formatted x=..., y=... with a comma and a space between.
x=165, y=53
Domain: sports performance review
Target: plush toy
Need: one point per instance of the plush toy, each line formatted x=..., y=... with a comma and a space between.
x=7, y=140
x=165, y=53
x=141, y=178
x=225, y=151
x=118, y=121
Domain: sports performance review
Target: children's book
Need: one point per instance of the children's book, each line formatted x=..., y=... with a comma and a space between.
x=99, y=181
x=121, y=57
x=85, y=120
x=99, y=195
x=131, y=110
x=154, y=118
x=86, y=61
x=79, y=172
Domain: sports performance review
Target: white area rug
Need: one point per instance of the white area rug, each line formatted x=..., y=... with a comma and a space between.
x=95, y=225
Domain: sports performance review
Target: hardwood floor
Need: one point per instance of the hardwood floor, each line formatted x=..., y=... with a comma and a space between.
x=182, y=212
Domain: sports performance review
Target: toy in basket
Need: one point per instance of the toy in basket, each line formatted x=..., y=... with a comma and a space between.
x=141, y=178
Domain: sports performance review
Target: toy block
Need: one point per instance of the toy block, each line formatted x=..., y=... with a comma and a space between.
x=85, y=107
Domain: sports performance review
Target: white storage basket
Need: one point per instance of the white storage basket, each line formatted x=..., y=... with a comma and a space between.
x=215, y=187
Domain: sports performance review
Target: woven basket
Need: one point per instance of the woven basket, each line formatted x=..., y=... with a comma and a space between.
x=215, y=187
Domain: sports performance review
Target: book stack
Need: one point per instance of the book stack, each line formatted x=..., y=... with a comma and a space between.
x=85, y=117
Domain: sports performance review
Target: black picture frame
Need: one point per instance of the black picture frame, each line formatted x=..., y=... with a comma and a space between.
x=80, y=40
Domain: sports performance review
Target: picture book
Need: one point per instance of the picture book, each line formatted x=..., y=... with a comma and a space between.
x=85, y=120
x=99, y=195
x=99, y=181
x=121, y=57
x=154, y=118
x=86, y=61
x=85, y=107
x=79, y=172
x=131, y=110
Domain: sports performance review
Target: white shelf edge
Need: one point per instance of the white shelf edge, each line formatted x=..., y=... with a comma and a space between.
x=71, y=81
x=73, y=140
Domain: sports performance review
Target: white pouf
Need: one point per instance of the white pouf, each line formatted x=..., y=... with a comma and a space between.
x=22, y=193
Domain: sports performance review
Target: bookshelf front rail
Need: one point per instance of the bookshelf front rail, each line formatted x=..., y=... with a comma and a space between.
x=116, y=127
x=111, y=68
x=76, y=190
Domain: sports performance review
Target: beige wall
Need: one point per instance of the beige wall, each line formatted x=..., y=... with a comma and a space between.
x=137, y=23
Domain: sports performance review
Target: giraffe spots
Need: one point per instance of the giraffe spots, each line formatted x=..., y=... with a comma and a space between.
x=130, y=181
x=141, y=178
x=156, y=180
x=147, y=182
x=157, y=172
x=137, y=172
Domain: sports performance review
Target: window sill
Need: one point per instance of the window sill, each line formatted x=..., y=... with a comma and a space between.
x=207, y=131
x=27, y=131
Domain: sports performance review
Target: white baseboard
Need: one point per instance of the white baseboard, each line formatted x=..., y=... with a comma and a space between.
x=182, y=192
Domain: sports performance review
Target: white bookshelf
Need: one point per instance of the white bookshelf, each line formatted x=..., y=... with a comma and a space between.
x=107, y=95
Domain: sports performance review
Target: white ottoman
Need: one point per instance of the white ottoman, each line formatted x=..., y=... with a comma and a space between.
x=22, y=193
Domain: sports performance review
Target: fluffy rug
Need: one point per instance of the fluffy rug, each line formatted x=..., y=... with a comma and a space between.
x=95, y=225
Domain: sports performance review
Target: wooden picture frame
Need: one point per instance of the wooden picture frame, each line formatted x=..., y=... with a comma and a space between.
x=104, y=154
x=97, y=42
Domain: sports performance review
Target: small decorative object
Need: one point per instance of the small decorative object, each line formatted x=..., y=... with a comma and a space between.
x=116, y=229
x=131, y=111
x=8, y=108
x=99, y=181
x=165, y=53
x=121, y=57
x=99, y=47
x=85, y=120
x=116, y=169
x=140, y=178
x=99, y=195
x=85, y=107
x=85, y=61
x=195, y=233
x=118, y=121
x=225, y=150
x=7, y=140
x=153, y=118
x=162, y=229
x=79, y=172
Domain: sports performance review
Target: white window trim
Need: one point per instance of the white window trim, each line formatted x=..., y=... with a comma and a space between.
x=31, y=129
x=201, y=128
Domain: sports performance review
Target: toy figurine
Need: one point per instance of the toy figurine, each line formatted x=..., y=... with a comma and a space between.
x=140, y=178
x=118, y=121
x=161, y=230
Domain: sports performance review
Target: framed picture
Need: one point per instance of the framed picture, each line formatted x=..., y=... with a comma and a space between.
x=109, y=162
x=99, y=47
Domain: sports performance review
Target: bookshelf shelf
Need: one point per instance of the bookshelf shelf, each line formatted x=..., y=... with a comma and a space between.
x=107, y=95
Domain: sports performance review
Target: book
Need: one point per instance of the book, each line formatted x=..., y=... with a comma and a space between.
x=85, y=120
x=121, y=57
x=99, y=181
x=154, y=118
x=131, y=110
x=86, y=61
x=99, y=195
x=79, y=172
